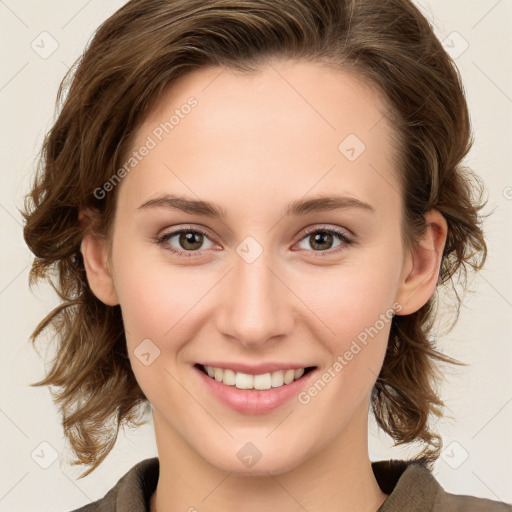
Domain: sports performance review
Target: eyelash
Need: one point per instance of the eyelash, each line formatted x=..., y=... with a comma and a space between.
x=163, y=239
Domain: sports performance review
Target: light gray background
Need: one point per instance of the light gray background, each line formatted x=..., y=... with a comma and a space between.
x=477, y=430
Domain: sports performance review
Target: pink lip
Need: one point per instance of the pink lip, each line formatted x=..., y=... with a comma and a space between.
x=252, y=401
x=255, y=369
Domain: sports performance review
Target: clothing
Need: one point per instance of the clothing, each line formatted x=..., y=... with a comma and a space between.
x=410, y=485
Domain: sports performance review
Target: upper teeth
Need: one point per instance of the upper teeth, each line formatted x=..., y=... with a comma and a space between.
x=246, y=381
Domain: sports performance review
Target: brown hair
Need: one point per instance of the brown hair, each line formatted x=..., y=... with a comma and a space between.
x=134, y=56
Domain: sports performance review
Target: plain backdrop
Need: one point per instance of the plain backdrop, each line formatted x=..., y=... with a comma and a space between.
x=35, y=470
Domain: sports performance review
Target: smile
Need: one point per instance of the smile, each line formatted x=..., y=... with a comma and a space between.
x=254, y=393
x=260, y=382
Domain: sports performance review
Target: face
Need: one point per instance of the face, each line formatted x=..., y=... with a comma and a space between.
x=280, y=278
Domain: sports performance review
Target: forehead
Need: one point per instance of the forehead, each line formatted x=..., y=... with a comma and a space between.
x=289, y=128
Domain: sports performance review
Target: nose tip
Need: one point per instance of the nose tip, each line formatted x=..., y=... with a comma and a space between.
x=254, y=308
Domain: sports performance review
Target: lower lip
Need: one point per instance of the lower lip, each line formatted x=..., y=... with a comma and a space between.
x=253, y=401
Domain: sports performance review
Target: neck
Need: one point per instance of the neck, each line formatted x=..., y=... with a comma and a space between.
x=338, y=477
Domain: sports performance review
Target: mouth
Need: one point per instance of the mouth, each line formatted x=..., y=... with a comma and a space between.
x=255, y=394
x=259, y=382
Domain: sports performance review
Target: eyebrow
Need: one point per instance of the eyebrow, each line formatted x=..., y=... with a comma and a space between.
x=299, y=207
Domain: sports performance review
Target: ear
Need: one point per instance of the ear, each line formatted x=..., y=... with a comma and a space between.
x=95, y=254
x=422, y=265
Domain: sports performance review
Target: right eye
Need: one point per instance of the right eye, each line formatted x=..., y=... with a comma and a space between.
x=185, y=242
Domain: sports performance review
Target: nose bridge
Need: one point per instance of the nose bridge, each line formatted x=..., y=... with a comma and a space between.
x=255, y=307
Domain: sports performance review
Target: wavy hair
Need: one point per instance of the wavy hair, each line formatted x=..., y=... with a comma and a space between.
x=134, y=56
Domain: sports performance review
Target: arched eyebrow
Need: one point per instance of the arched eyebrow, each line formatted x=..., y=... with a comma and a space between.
x=295, y=208
x=322, y=204
x=184, y=204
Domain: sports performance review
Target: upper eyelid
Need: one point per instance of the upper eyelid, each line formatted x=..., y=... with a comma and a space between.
x=173, y=232
x=337, y=230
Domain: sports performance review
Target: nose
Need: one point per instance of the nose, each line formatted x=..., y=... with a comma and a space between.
x=256, y=306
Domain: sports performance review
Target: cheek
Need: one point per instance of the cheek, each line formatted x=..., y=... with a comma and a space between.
x=153, y=297
x=155, y=303
x=164, y=302
x=355, y=306
x=350, y=300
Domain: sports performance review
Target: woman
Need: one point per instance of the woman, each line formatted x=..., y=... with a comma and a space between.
x=250, y=206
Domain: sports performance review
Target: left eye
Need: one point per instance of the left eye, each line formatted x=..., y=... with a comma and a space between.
x=319, y=238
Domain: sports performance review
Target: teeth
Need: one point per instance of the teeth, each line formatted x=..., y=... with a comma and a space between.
x=261, y=382
x=289, y=376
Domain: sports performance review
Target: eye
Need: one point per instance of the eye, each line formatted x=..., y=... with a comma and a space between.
x=321, y=240
x=189, y=242
x=185, y=241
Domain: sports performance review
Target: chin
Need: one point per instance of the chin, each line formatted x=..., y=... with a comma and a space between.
x=254, y=459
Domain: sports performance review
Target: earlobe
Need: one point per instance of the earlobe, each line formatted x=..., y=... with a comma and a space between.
x=419, y=280
x=94, y=251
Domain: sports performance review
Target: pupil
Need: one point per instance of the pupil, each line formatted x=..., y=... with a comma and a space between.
x=191, y=238
x=320, y=238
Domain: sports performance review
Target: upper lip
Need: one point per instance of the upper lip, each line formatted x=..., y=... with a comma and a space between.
x=255, y=369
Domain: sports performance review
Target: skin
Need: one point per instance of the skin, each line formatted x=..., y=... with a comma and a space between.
x=252, y=145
